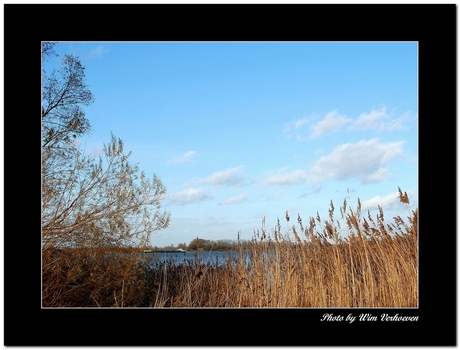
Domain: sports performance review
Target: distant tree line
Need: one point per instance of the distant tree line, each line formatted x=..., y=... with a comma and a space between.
x=201, y=244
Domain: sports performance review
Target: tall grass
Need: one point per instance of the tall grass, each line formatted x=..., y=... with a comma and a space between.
x=352, y=261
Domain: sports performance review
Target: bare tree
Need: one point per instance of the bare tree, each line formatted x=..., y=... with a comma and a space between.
x=86, y=201
x=64, y=92
x=104, y=202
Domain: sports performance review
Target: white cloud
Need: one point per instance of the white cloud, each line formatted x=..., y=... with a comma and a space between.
x=187, y=196
x=187, y=157
x=363, y=159
x=379, y=175
x=388, y=202
x=236, y=199
x=377, y=119
x=293, y=178
x=229, y=177
x=331, y=122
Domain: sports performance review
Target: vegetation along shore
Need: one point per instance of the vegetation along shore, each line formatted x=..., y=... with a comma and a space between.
x=373, y=265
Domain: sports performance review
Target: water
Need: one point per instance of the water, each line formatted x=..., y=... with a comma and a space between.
x=217, y=257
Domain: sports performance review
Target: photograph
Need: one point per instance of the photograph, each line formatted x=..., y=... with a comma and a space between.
x=231, y=175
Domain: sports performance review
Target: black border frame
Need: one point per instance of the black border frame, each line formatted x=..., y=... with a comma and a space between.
x=432, y=26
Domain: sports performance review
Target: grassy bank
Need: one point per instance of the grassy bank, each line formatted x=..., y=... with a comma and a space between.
x=352, y=261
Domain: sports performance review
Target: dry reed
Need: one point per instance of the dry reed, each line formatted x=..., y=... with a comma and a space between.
x=353, y=261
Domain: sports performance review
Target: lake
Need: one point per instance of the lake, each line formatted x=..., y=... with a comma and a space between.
x=218, y=257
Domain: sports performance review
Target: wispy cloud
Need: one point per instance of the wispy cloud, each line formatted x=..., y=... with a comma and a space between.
x=293, y=178
x=187, y=157
x=96, y=152
x=291, y=129
x=187, y=196
x=236, y=199
x=364, y=160
x=96, y=52
x=297, y=124
x=230, y=177
x=310, y=192
x=377, y=119
x=332, y=122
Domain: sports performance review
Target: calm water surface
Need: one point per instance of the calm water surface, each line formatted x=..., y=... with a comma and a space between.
x=218, y=257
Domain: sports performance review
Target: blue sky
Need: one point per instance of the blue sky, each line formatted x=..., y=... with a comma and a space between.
x=239, y=131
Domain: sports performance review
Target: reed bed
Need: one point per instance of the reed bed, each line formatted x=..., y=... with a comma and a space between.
x=353, y=261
